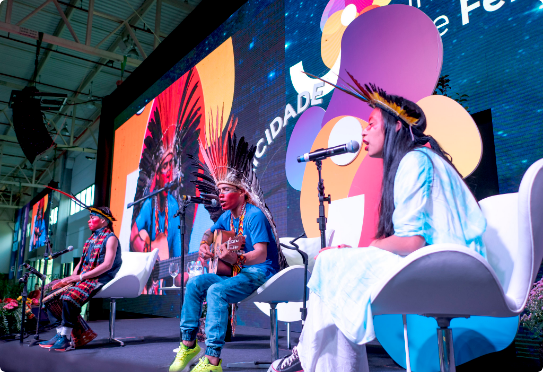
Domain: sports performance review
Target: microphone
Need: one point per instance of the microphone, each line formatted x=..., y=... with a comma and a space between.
x=34, y=271
x=321, y=154
x=196, y=200
x=56, y=254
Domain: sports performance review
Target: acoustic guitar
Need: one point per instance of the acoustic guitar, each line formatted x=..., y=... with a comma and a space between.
x=233, y=243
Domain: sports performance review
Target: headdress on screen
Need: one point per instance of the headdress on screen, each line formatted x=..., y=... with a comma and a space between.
x=376, y=97
x=229, y=161
x=103, y=212
x=172, y=130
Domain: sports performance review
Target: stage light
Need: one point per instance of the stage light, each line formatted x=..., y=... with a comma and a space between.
x=133, y=52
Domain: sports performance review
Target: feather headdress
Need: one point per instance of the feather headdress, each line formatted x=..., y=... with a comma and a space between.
x=376, y=97
x=172, y=129
x=84, y=206
x=229, y=161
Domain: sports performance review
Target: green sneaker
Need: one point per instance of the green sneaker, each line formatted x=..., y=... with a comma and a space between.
x=204, y=366
x=182, y=361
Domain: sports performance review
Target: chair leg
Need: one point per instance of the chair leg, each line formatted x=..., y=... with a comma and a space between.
x=289, y=346
x=112, y=314
x=406, y=340
x=445, y=345
x=274, y=337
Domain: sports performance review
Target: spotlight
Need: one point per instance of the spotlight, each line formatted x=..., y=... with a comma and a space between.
x=133, y=52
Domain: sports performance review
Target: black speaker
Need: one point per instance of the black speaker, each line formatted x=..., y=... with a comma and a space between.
x=28, y=123
x=483, y=182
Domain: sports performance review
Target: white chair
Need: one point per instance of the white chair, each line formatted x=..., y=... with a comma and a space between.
x=289, y=312
x=285, y=286
x=128, y=283
x=448, y=281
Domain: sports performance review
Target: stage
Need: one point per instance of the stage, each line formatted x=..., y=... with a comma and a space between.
x=154, y=353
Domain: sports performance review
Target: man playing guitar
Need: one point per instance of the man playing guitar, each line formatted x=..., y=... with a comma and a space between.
x=243, y=216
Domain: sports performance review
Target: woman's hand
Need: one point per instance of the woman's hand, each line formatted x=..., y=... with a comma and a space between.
x=334, y=247
x=69, y=279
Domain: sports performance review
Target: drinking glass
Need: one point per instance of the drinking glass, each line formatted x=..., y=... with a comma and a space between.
x=174, y=271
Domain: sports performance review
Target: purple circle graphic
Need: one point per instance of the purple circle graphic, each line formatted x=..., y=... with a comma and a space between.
x=397, y=47
x=303, y=135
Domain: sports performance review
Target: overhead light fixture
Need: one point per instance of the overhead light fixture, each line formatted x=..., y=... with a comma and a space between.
x=64, y=132
x=90, y=158
x=109, y=63
x=133, y=52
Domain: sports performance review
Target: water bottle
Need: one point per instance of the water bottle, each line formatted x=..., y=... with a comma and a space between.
x=198, y=268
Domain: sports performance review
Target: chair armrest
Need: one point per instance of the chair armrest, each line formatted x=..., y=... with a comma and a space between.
x=442, y=279
x=281, y=287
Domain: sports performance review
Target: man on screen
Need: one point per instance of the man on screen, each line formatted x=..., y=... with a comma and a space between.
x=171, y=136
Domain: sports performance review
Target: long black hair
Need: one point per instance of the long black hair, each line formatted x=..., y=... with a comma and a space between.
x=397, y=144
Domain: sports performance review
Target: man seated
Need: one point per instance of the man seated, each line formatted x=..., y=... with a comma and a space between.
x=423, y=201
x=248, y=217
x=100, y=261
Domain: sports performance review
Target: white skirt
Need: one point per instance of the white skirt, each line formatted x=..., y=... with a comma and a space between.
x=324, y=348
x=340, y=321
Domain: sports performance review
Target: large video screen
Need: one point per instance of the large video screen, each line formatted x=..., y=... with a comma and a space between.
x=39, y=223
x=252, y=69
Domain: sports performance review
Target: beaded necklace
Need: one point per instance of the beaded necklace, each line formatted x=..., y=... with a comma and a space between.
x=157, y=229
x=241, y=218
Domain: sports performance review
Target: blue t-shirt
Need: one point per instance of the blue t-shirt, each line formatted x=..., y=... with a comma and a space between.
x=146, y=221
x=257, y=229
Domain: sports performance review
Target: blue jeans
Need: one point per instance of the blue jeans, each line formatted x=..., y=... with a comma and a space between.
x=219, y=292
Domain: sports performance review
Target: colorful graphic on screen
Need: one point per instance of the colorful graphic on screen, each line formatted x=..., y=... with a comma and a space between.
x=252, y=68
x=38, y=229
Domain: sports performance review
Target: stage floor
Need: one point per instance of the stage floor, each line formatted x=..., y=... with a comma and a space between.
x=154, y=353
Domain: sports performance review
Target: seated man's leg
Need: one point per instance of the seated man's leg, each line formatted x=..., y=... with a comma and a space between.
x=195, y=294
x=219, y=296
x=70, y=312
x=189, y=351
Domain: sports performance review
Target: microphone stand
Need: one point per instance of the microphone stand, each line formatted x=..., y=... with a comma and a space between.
x=322, y=198
x=168, y=186
x=181, y=213
x=48, y=252
x=23, y=279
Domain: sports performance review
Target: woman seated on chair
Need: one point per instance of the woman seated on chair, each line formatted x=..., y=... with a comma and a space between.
x=423, y=201
x=100, y=261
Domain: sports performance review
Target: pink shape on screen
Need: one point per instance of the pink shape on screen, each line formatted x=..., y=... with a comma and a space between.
x=396, y=47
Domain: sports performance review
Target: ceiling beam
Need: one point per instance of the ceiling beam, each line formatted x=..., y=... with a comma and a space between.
x=180, y=5
x=105, y=54
x=58, y=32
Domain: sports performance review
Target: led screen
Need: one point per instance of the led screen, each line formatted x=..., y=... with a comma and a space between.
x=251, y=70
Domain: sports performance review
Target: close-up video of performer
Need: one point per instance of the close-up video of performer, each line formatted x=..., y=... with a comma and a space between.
x=172, y=135
x=100, y=261
x=423, y=201
x=38, y=234
x=227, y=171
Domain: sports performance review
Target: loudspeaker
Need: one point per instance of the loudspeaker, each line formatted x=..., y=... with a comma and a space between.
x=483, y=182
x=28, y=123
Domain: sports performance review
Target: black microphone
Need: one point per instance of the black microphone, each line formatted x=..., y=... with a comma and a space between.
x=196, y=200
x=321, y=154
x=34, y=271
x=56, y=254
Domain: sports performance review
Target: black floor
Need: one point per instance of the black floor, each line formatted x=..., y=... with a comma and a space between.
x=154, y=353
